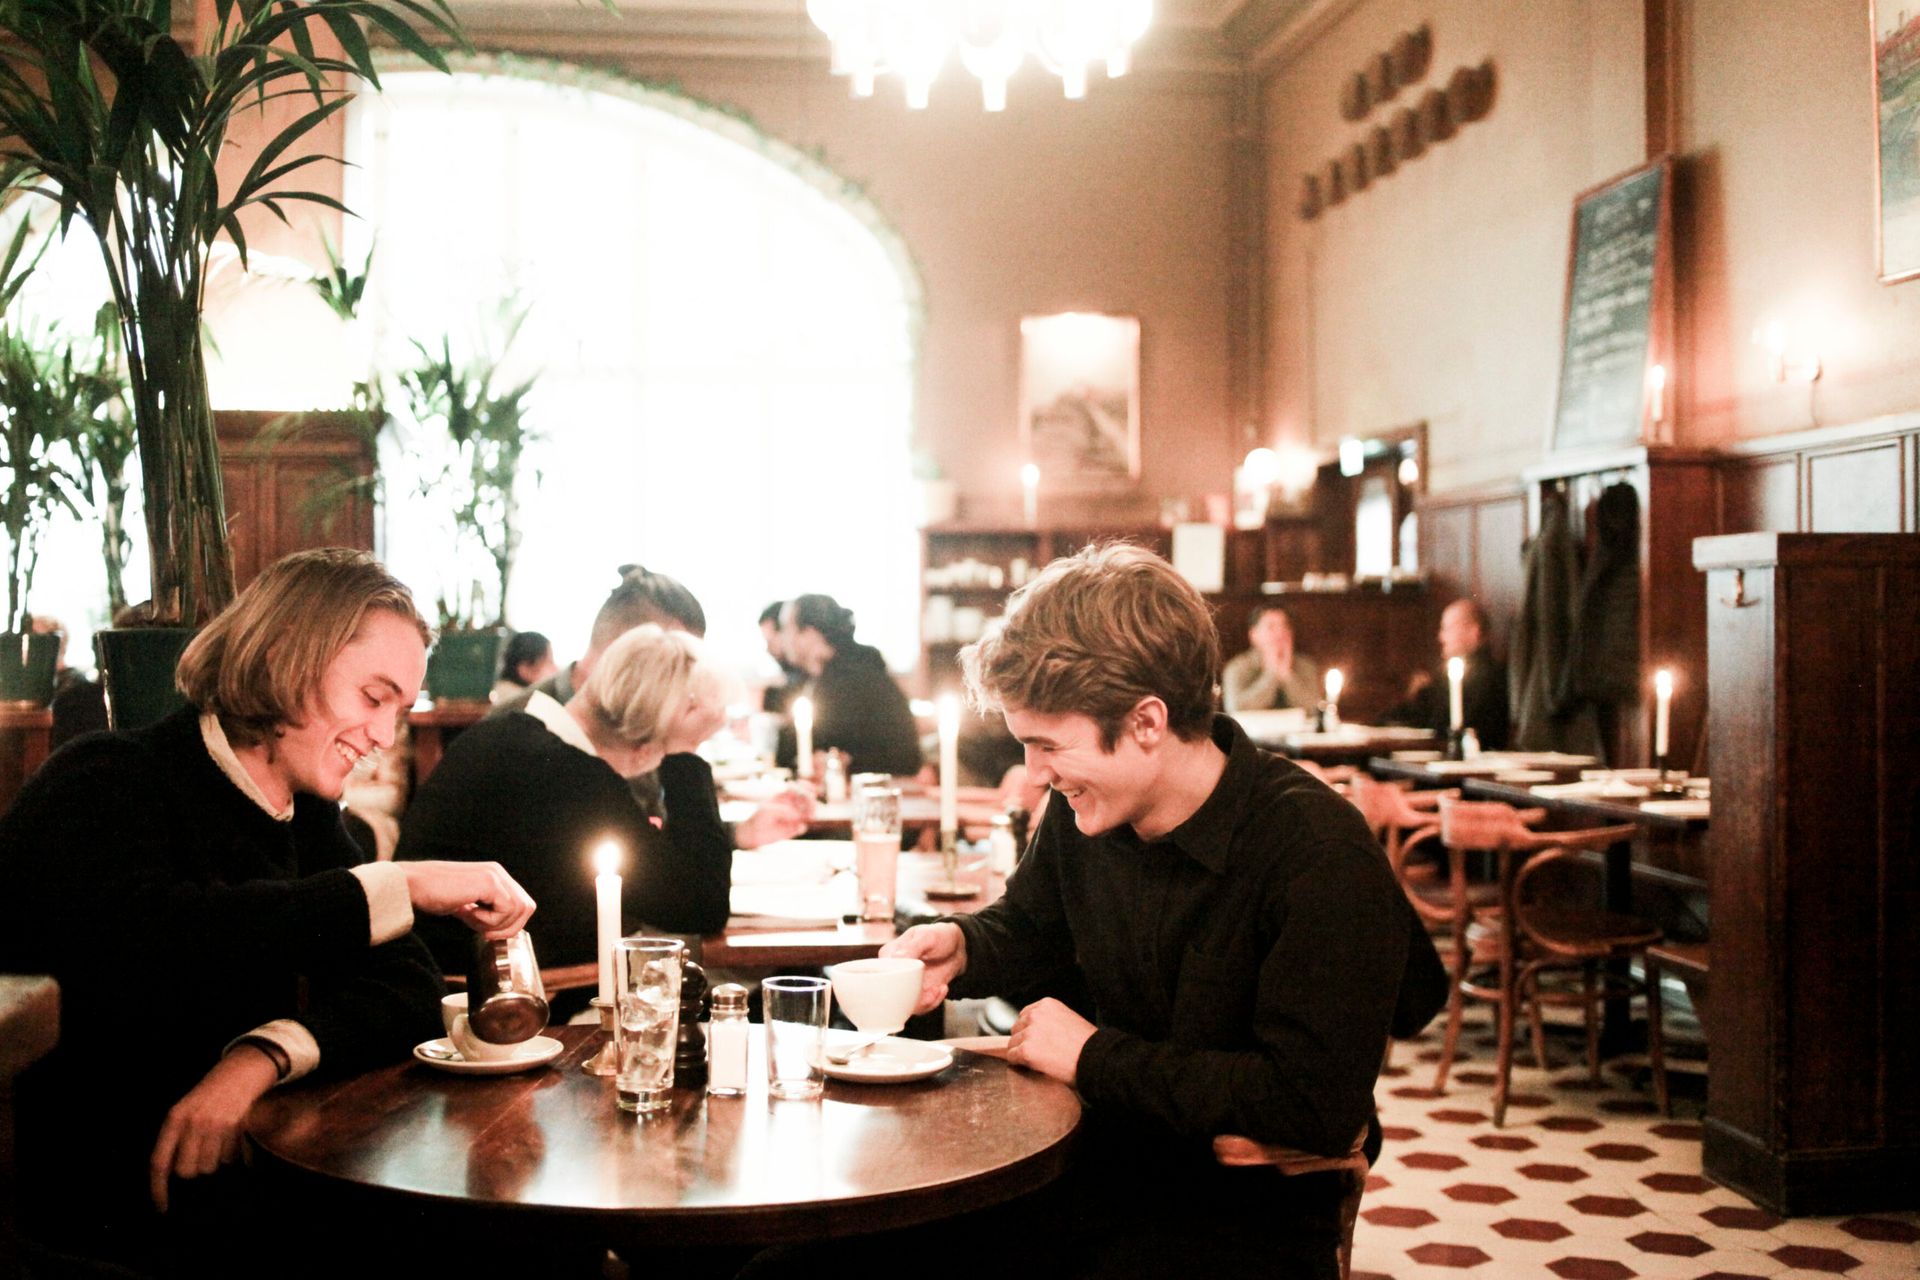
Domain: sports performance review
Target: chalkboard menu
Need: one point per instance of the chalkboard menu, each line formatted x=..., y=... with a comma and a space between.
x=1616, y=298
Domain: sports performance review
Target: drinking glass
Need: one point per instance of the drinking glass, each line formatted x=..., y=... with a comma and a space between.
x=796, y=1010
x=647, y=999
x=876, y=848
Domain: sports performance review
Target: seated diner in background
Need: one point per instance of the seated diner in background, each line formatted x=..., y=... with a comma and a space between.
x=857, y=706
x=527, y=661
x=641, y=596
x=1483, y=690
x=775, y=698
x=1243, y=942
x=213, y=929
x=1271, y=674
x=542, y=789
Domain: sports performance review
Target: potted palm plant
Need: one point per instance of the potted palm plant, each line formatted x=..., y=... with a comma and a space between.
x=485, y=430
x=103, y=443
x=124, y=127
x=44, y=392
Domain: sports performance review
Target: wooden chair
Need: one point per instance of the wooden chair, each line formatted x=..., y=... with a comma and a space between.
x=1527, y=939
x=1401, y=819
x=1236, y=1151
x=1689, y=960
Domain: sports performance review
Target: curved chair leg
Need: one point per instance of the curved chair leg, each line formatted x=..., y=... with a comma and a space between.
x=1587, y=992
x=1530, y=988
x=1656, y=1037
x=1456, y=1009
x=1503, y=1069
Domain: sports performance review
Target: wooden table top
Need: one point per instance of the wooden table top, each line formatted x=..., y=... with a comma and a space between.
x=1348, y=744
x=722, y=1170
x=1587, y=810
x=745, y=944
x=1452, y=773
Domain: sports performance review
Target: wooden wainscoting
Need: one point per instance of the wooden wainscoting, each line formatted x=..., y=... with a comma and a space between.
x=1863, y=478
x=287, y=485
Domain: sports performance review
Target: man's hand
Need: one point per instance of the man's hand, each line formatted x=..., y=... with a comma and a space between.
x=942, y=948
x=1048, y=1037
x=781, y=818
x=481, y=894
x=202, y=1131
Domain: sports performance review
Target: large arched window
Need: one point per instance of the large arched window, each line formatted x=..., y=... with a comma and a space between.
x=724, y=335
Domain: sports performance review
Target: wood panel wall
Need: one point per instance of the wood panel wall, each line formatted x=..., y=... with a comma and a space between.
x=1471, y=545
x=288, y=487
x=1863, y=478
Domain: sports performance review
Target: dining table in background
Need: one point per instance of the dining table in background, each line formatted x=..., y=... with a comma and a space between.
x=548, y=1150
x=1291, y=733
x=435, y=724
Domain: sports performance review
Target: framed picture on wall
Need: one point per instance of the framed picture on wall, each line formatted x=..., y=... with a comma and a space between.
x=1080, y=399
x=1896, y=96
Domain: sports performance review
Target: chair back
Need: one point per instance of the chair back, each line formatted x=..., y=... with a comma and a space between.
x=1236, y=1151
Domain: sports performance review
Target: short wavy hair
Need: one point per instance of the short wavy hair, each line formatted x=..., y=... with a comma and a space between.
x=647, y=680
x=1094, y=634
x=259, y=664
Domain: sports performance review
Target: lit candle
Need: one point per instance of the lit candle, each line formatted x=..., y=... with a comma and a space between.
x=1657, y=393
x=949, y=766
x=803, y=737
x=1335, y=683
x=1456, y=704
x=606, y=901
x=1030, y=492
x=1662, y=710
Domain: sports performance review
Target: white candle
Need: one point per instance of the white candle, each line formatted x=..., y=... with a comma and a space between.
x=606, y=902
x=1335, y=683
x=1662, y=709
x=1030, y=492
x=1657, y=393
x=1456, y=704
x=803, y=737
x=949, y=765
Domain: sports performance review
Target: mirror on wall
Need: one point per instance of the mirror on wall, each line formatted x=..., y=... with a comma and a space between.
x=1381, y=478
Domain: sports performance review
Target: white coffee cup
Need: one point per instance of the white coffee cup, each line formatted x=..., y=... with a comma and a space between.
x=453, y=1016
x=877, y=995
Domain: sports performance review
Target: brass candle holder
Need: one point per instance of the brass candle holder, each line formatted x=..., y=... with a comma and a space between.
x=607, y=1061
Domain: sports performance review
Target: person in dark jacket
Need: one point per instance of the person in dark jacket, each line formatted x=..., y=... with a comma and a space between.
x=1483, y=690
x=213, y=929
x=541, y=789
x=857, y=707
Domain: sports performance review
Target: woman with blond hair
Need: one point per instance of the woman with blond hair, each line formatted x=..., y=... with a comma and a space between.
x=213, y=929
x=542, y=788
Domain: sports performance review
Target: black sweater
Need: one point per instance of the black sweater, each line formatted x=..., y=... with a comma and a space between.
x=859, y=709
x=510, y=791
x=176, y=914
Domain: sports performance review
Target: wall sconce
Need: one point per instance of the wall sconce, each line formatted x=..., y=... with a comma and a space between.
x=1788, y=359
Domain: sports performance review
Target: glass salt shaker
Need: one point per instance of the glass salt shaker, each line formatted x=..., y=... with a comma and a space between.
x=727, y=1042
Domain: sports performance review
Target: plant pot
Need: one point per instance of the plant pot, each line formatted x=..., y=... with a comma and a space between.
x=463, y=665
x=26, y=667
x=136, y=666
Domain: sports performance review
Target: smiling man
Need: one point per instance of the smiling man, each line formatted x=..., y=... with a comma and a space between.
x=1243, y=942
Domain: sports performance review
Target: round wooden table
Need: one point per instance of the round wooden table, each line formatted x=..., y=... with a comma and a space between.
x=552, y=1144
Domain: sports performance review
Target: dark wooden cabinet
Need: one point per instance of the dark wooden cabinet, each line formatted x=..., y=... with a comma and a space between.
x=290, y=486
x=1813, y=1100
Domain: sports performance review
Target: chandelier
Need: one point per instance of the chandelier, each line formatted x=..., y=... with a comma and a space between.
x=914, y=39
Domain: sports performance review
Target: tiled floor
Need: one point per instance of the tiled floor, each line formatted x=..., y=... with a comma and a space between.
x=1582, y=1183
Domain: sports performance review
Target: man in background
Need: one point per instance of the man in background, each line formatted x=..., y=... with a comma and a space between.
x=1483, y=692
x=1271, y=673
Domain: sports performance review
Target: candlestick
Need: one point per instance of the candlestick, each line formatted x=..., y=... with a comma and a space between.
x=1662, y=712
x=1030, y=492
x=949, y=767
x=1456, y=702
x=803, y=737
x=606, y=902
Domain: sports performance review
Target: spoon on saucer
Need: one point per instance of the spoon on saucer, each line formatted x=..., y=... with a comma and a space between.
x=841, y=1057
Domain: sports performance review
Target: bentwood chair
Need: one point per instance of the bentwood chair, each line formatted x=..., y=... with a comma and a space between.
x=1503, y=959
x=1235, y=1151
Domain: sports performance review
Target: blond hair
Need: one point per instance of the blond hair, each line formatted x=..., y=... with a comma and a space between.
x=1096, y=633
x=646, y=681
x=259, y=664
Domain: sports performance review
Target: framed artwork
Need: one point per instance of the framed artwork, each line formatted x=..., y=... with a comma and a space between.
x=1080, y=399
x=1896, y=97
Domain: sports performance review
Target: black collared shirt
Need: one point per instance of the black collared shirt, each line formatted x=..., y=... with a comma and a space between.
x=1244, y=969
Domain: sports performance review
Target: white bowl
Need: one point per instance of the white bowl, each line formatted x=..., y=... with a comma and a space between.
x=877, y=995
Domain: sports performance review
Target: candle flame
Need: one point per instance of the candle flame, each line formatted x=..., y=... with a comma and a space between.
x=803, y=711
x=606, y=858
x=1456, y=668
x=1335, y=683
x=1663, y=682
x=1030, y=475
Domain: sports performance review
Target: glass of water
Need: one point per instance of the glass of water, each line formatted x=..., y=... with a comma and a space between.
x=646, y=1030
x=796, y=1011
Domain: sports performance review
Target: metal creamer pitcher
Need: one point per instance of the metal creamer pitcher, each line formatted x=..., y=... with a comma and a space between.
x=506, y=999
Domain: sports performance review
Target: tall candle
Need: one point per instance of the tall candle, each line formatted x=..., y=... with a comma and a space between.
x=1662, y=710
x=606, y=903
x=1657, y=393
x=1335, y=683
x=803, y=737
x=1456, y=703
x=949, y=765
x=1030, y=492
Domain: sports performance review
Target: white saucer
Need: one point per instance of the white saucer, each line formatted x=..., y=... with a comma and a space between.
x=537, y=1052
x=1689, y=808
x=891, y=1060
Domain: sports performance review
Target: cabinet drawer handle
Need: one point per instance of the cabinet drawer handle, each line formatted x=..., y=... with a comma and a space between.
x=1739, y=599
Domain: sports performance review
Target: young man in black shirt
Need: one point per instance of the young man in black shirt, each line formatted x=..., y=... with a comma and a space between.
x=1243, y=942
